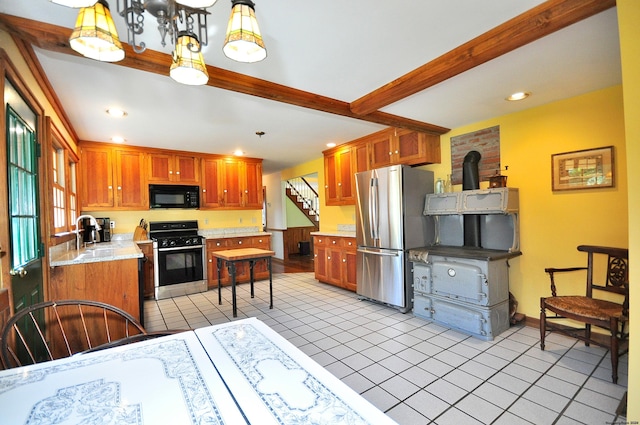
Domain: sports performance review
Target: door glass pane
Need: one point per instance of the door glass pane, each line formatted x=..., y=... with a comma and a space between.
x=23, y=178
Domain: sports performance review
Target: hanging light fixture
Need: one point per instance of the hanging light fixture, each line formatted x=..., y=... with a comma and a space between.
x=74, y=3
x=95, y=34
x=188, y=65
x=243, y=42
x=184, y=21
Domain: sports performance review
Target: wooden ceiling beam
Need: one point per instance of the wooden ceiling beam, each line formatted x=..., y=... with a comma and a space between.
x=546, y=18
x=56, y=38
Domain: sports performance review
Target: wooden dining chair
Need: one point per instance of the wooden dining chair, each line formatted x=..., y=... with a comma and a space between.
x=584, y=311
x=58, y=329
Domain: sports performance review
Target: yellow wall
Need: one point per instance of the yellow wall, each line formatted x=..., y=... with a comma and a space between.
x=628, y=18
x=126, y=221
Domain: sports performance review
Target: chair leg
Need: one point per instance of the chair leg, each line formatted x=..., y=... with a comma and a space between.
x=614, y=350
x=587, y=334
x=543, y=323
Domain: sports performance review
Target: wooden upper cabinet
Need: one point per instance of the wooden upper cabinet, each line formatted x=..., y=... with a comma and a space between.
x=253, y=197
x=399, y=146
x=170, y=168
x=112, y=178
x=231, y=183
x=339, y=180
x=96, y=173
x=211, y=196
x=132, y=191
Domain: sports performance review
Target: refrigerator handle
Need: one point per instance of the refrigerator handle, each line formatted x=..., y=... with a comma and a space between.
x=373, y=208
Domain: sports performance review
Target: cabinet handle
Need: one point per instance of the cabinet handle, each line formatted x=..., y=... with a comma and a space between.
x=260, y=241
x=339, y=184
x=177, y=172
x=218, y=244
x=119, y=187
x=329, y=258
x=344, y=260
x=170, y=172
x=239, y=242
x=333, y=242
x=210, y=260
x=204, y=190
x=390, y=153
x=225, y=191
x=396, y=152
x=110, y=187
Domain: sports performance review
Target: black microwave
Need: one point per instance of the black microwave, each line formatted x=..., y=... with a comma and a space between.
x=173, y=196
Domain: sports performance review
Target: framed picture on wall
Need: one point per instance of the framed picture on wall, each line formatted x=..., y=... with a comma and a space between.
x=585, y=169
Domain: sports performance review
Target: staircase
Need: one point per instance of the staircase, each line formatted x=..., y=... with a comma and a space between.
x=305, y=198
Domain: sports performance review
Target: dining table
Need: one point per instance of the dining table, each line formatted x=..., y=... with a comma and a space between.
x=240, y=372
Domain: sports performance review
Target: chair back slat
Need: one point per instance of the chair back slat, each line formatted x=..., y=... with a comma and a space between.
x=70, y=327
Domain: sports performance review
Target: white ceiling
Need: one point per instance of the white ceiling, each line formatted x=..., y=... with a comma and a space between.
x=339, y=49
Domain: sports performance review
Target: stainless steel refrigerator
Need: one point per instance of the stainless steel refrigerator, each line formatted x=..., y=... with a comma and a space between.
x=389, y=222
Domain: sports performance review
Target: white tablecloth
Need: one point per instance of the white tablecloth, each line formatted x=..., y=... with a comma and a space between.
x=235, y=373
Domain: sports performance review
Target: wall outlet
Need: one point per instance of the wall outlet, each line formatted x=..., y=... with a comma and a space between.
x=112, y=224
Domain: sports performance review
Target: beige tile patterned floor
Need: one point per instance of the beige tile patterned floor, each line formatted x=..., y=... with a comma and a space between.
x=416, y=371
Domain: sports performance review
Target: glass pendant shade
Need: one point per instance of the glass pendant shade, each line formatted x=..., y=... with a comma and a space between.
x=197, y=4
x=188, y=65
x=75, y=3
x=243, y=42
x=95, y=34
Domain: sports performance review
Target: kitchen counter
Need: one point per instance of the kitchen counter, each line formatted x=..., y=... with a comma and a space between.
x=218, y=235
x=337, y=233
x=106, y=251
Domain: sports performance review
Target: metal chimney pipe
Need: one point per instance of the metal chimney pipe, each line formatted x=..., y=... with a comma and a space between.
x=471, y=181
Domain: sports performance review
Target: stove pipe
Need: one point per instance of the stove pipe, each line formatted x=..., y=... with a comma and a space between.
x=471, y=181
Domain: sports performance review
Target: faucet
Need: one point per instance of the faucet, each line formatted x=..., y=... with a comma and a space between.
x=78, y=235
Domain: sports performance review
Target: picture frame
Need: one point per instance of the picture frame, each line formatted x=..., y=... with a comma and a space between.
x=583, y=169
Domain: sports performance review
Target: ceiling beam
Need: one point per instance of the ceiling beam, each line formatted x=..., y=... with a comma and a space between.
x=56, y=38
x=548, y=17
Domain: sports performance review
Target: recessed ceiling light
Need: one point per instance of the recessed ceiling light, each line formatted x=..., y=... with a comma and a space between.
x=519, y=96
x=117, y=139
x=116, y=113
x=238, y=152
x=331, y=144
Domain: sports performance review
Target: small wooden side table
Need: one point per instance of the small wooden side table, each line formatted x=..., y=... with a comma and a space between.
x=233, y=256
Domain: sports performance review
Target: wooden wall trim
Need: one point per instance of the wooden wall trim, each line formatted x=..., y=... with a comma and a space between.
x=29, y=56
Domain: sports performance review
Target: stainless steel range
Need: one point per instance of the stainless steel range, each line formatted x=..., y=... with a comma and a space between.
x=179, y=255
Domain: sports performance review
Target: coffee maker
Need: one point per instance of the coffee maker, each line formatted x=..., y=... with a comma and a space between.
x=104, y=234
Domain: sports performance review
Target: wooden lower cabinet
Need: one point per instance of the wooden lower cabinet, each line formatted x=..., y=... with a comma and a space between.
x=149, y=285
x=111, y=282
x=260, y=270
x=335, y=260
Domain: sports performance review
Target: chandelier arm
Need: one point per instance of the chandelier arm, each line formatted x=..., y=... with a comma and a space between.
x=132, y=12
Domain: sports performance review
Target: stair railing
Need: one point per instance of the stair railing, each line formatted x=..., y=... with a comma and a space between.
x=306, y=195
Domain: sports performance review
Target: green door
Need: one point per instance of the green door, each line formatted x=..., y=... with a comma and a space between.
x=24, y=220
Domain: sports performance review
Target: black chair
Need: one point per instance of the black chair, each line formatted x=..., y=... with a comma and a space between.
x=58, y=329
x=585, y=311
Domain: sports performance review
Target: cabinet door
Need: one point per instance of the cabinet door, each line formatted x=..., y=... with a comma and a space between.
x=320, y=262
x=346, y=184
x=97, y=177
x=132, y=192
x=231, y=183
x=160, y=168
x=331, y=179
x=187, y=169
x=149, y=286
x=253, y=185
x=381, y=151
x=361, y=158
x=349, y=268
x=211, y=196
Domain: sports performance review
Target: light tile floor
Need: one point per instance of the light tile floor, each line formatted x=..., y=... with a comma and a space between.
x=416, y=371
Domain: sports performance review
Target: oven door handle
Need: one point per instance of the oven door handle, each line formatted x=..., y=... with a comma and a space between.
x=182, y=248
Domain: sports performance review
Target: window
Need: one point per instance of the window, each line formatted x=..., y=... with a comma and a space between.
x=64, y=199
